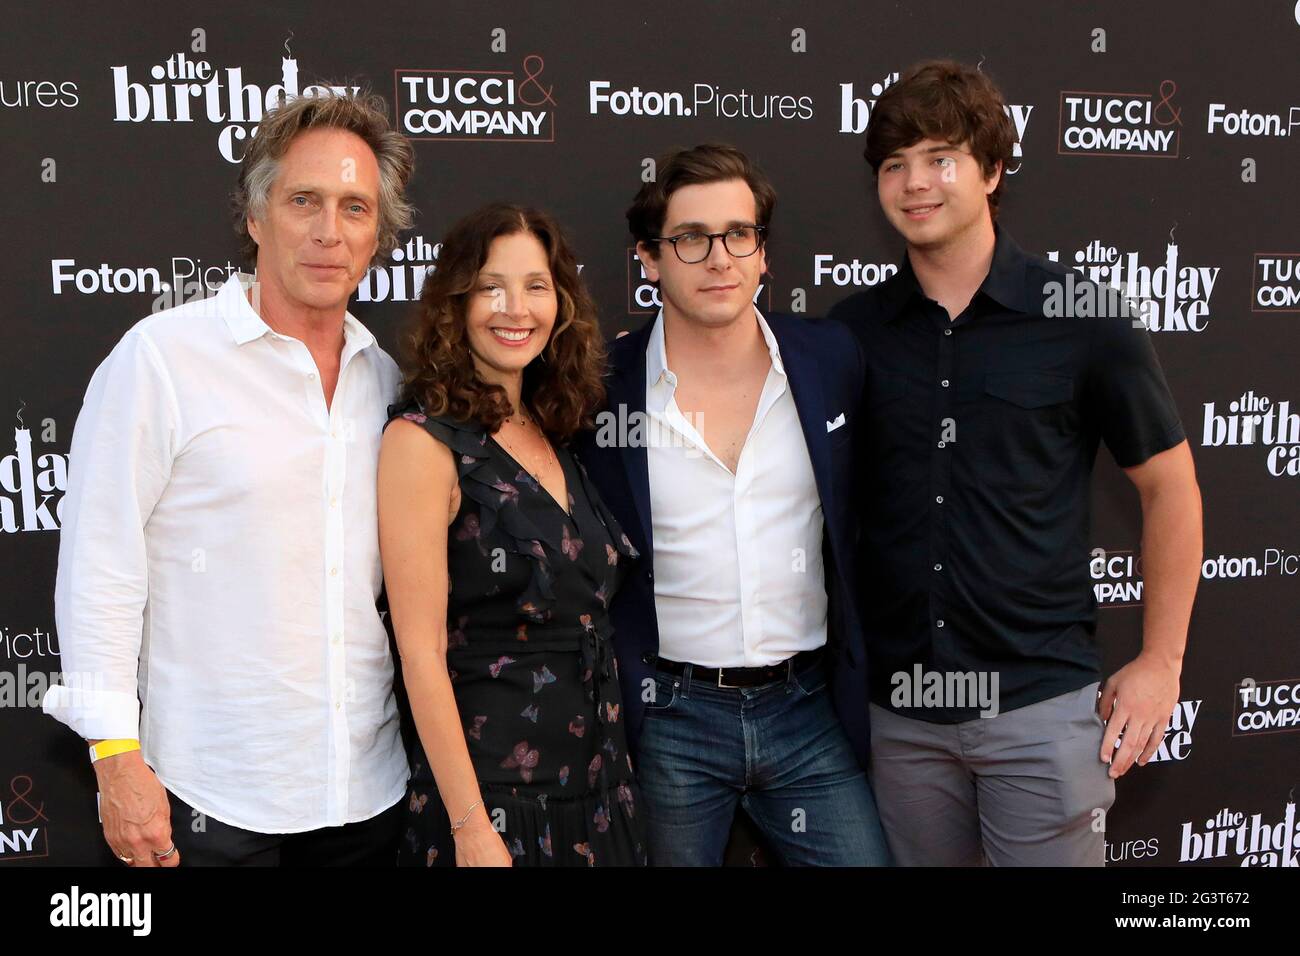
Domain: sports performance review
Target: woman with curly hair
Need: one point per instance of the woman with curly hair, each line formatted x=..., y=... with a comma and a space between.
x=500, y=562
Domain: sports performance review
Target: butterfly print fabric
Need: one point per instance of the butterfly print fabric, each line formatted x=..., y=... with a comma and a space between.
x=535, y=678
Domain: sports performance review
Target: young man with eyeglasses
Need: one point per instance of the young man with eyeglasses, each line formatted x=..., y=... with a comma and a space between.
x=737, y=637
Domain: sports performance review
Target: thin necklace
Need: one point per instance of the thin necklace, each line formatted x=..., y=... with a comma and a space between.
x=523, y=423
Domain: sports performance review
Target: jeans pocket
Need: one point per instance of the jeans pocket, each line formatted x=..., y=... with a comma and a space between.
x=812, y=681
x=667, y=688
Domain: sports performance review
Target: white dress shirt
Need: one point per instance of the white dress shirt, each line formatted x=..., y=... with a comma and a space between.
x=220, y=558
x=738, y=558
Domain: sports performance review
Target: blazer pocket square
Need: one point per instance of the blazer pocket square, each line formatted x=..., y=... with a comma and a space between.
x=831, y=426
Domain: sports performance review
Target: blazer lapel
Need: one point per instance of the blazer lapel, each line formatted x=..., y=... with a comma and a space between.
x=805, y=385
x=626, y=399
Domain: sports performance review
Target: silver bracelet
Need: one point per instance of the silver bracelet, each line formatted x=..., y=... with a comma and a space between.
x=461, y=822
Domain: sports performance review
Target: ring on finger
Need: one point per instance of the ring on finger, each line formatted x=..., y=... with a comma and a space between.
x=170, y=851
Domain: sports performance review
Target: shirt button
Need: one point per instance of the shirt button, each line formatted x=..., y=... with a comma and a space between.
x=938, y=499
x=944, y=383
x=334, y=572
x=334, y=502
x=947, y=331
x=336, y=638
x=938, y=567
x=939, y=623
x=311, y=376
x=942, y=444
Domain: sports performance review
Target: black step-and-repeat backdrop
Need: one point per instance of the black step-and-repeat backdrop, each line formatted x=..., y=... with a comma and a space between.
x=1156, y=145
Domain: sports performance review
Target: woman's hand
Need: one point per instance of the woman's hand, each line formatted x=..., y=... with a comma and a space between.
x=479, y=844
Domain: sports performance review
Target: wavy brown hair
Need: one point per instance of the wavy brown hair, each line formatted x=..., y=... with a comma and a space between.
x=363, y=114
x=563, y=386
x=950, y=102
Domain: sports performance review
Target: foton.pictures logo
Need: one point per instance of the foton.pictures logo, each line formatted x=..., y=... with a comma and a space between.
x=1234, y=122
x=705, y=99
x=466, y=105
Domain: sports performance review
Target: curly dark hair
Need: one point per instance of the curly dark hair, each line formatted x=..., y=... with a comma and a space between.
x=947, y=101
x=564, y=386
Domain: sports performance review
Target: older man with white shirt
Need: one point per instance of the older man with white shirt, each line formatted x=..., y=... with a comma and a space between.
x=219, y=561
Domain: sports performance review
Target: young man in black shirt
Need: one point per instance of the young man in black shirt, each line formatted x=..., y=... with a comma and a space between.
x=985, y=401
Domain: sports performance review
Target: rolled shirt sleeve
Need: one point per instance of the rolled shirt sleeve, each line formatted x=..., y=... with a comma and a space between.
x=120, y=462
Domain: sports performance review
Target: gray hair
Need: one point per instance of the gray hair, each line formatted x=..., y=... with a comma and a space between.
x=364, y=114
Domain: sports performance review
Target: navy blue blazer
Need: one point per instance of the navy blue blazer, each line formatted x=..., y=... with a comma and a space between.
x=824, y=368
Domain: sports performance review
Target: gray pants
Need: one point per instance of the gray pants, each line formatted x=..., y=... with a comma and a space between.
x=1024, y=788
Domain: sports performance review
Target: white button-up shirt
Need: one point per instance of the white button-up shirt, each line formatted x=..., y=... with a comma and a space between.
x=219, y=558
x=738, y=579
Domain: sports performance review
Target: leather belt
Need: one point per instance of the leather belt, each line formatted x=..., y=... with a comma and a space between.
x=742, y=676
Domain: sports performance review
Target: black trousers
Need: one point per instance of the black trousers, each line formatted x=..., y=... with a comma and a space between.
x=203, y=841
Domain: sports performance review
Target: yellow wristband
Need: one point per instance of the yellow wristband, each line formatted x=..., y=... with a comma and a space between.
x=111, y=748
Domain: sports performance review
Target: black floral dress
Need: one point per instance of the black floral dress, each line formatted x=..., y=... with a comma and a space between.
x=532, y=665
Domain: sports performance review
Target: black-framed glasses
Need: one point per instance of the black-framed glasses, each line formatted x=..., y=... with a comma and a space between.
x=739, y=241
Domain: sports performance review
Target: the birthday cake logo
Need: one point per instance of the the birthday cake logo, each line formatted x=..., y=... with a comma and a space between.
x=186, y=89
x=32, y=485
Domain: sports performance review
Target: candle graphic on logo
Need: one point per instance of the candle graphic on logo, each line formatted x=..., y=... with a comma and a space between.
x=16, y=477
x=287, y=89
x=288, y=74
x=1171, y=276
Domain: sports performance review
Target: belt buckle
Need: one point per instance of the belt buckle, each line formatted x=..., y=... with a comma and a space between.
x=726, y=686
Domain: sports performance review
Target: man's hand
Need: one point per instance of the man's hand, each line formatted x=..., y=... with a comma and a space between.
x=136, y=814
x=1137, y=701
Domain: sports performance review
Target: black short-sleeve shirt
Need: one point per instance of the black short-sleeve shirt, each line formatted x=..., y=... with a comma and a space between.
x=976, y=443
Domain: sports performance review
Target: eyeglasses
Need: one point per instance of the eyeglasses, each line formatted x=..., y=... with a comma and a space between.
x=739, y=241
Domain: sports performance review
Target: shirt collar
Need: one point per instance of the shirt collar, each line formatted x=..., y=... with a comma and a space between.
x=656, y=353
x=1004, y=284
x=245, y=324
x=241, y=318
x=355, y=335
x=1007, y=279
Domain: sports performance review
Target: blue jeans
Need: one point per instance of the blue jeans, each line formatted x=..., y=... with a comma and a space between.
x=777, y=750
